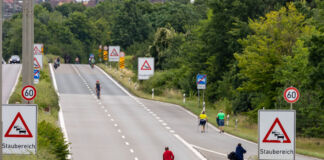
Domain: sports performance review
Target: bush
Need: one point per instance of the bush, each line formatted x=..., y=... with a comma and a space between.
x=51, y=137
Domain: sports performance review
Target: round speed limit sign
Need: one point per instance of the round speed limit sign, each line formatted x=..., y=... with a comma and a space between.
x=28, y=92
x=291, y=95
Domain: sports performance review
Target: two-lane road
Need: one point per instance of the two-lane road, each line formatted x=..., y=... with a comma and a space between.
x=121, y=126
x=115, y=127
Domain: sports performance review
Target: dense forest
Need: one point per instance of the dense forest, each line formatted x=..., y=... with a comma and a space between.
x=251, y=50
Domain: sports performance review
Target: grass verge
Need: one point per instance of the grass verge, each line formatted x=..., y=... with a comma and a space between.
x=244, y=129
x=50, y=141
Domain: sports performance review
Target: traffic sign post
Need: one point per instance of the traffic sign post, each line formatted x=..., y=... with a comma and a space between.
x=291, y=95
x=28, y=93
x=20, y=129
x=114, y=53
x=36, y=76
x=121, y=60
x=145, y=68
x=201, y=81
x=277, y=131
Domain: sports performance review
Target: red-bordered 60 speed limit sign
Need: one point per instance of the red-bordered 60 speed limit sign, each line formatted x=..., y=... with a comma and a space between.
x=291, y=94
x=28, y=92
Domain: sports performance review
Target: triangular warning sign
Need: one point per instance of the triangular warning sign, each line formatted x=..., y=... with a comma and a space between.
x=37, y=51
x=114, y=53
x=146, y=66
x=36, y=63
x=277, y=135
x=18, y=128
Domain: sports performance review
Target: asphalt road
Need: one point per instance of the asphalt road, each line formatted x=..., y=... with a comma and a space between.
x=115, y=127
x=121, y=126
x=10, y=74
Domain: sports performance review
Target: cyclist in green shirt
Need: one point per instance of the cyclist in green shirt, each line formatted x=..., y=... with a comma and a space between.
x=221, y=117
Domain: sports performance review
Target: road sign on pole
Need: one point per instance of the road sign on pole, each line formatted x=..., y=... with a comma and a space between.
x=277, y=130
x=38, y=49
x=122, y=60
x=145, y=68
x=114, y=53
x=28, y=92
x=291, y=94
x=201, y=81
x=36, y=76
x=20, y=129
x=105, y=53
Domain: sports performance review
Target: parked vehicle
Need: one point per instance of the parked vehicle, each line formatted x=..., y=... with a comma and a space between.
x=14, y=59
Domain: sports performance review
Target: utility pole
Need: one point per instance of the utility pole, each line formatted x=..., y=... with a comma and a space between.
x=28, y=44
x=1, y=78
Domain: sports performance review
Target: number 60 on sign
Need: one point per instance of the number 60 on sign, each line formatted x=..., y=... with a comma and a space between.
x=291, y=95
x=28, y=92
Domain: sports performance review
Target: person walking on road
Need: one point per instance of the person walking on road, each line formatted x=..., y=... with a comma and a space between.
x=239, y=152
x=202, y=120
x=221, y=117
x=168, y=155
x=98, y=87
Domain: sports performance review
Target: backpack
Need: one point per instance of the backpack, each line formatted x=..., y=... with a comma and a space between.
x=232, y=156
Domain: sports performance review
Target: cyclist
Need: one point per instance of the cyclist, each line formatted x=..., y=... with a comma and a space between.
x=202, y=120
x=98, y=87
x=92, y=62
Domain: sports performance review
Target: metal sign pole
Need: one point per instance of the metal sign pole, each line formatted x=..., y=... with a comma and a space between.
x=291, y=107
x=198, y=99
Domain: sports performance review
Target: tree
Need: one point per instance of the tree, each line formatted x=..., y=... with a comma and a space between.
x=129, y=25
x=274, y=53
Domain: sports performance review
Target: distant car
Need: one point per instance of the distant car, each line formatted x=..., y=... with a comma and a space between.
x=14, y=59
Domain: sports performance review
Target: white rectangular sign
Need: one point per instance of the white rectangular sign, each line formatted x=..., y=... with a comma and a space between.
x=38, y=61
x=277, y=130
x=38, y=49
x=19, y=129
x=145, y=68
x=114, y=53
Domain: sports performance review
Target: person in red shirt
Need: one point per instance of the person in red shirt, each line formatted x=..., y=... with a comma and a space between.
x=168, y=155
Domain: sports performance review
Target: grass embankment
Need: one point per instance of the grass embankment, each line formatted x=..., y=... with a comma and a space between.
x=50, y=142
x=244, y=128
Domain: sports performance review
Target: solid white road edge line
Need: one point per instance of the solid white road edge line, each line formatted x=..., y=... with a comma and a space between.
x=190, y=113
x=61, y=118
x=15, y=85
x=136, y=99
x=208, y=150
x=213, y=127
x=200, y=156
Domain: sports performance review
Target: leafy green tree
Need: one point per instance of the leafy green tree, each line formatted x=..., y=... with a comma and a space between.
x=275, y=55
x=129, y=26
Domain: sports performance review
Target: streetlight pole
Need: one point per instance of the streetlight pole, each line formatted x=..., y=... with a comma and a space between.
x=28, y=44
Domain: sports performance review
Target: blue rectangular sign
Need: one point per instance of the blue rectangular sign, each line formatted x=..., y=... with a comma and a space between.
x=201, y=81
x=36, y=74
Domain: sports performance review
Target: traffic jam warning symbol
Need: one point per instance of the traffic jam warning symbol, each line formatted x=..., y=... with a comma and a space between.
x=146, y=66
x=36, y=64
x=114, y=53
x=276, y=134
x=18, y=128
